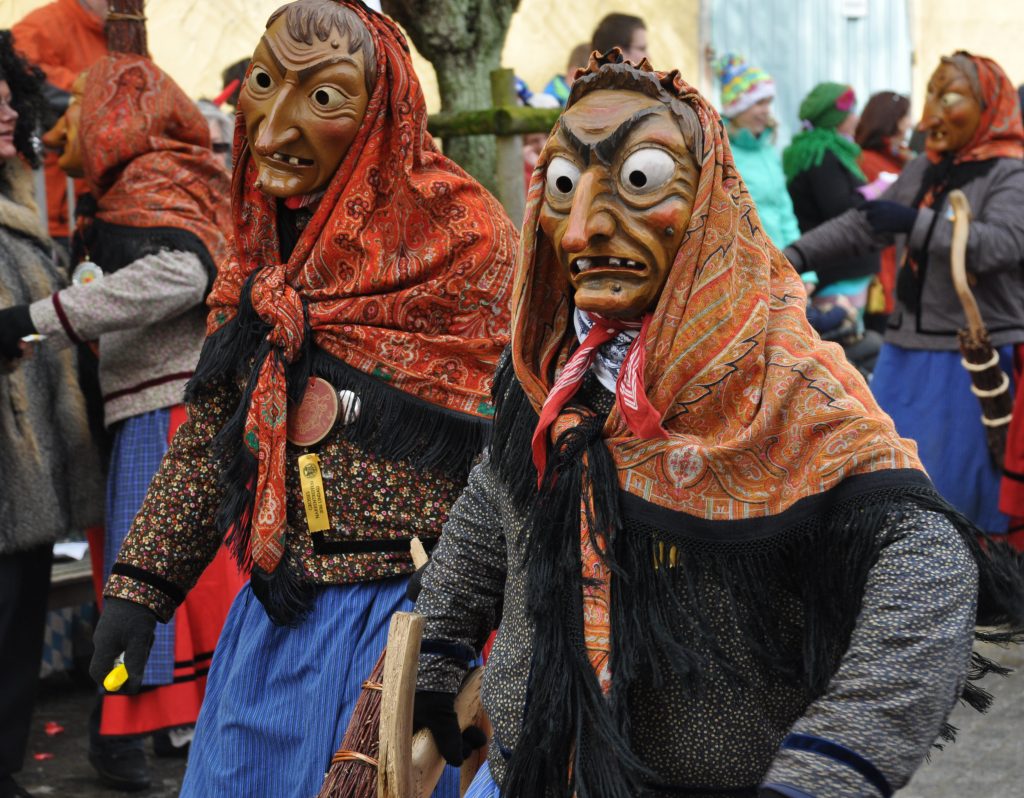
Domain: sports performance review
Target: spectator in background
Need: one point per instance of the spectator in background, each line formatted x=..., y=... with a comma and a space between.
x=747, y=94
x=50, y=481
x=63, y=38
x=232, y=78
x=624, y=31
x=822, y=175
x=558, y=87
x=882, y=135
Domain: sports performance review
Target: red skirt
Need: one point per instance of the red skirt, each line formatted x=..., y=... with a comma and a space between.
x=197, y=625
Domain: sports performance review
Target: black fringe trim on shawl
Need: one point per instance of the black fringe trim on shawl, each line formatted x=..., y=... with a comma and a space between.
x=391, y=424
x=670, y=571
x=114, y=246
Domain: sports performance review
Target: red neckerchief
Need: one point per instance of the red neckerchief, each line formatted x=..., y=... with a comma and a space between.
x=642, y=418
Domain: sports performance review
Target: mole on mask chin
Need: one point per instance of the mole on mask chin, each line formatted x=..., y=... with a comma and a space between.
x=620, y=182
x=303, y=105
x=63, y=135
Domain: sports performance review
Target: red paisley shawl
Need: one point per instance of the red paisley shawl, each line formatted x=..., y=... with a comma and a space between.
x=404, y=271
x=146, y=153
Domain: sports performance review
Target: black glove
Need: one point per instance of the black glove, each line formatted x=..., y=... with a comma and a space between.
x=15, y=323
x=889, y=217
x=435, y=710
x=794, y=256
x=766, y=792
x=124, y=626
x=412, y=590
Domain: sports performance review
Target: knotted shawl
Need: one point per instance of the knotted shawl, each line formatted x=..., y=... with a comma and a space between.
x=401, y=277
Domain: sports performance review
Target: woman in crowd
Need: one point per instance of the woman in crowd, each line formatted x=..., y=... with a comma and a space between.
x=823, y=176
x=49, y=474
x=975, y=143
x=882, y=137
x=161, y=198
x=747, y=94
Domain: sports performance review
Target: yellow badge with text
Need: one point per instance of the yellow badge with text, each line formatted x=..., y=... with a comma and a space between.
x=313, y=493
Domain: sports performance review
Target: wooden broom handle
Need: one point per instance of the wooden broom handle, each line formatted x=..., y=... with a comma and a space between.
x=958, y=261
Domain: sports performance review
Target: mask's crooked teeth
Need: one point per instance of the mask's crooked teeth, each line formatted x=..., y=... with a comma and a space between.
x=582, y=264
x=293, y=160
x=614, y=262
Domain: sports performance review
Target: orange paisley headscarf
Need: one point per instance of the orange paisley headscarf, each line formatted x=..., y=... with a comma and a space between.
x=403, y=273
x=760, y=411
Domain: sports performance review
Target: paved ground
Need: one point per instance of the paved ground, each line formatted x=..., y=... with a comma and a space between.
x=987, y=761
x=68, y=774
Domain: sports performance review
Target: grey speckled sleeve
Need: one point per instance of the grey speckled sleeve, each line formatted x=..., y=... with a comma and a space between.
x=901, y=675
x=464, y=583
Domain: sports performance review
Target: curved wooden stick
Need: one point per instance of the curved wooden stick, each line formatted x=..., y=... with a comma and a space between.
x=401, y=660
x=958, y=262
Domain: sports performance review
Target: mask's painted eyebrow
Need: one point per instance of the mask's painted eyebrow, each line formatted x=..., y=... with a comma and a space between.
x=340, y=59
x=273, y=56
x=605, y=149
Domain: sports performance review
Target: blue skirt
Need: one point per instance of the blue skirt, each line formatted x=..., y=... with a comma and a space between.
x=928, y=395
x=278, y=699
x=138, y=447
x=483, y=785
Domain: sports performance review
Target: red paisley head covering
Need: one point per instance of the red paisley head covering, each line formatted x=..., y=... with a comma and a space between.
x=147, y=156
x=760, y=413
x=403, y=273
x=1000, y=132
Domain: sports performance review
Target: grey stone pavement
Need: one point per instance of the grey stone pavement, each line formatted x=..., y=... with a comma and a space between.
x=986, y=762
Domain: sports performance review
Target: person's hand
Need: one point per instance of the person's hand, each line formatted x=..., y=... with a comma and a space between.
x=885, y=216
x=128, y=627
x=15, y=324
x=435, y=710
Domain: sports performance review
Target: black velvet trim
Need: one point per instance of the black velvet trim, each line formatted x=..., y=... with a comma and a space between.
x=445, y=648
x=321, y=545
x=841, y=754
x=171, y=590
x=673, y=523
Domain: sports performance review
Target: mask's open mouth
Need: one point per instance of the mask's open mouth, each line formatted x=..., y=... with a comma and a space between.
x=580, y=265
x=291, y=160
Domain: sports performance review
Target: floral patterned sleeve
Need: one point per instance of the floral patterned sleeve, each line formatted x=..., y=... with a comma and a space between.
x=173, y=538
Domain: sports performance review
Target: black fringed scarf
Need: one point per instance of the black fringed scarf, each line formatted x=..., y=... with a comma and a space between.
x=819, y=552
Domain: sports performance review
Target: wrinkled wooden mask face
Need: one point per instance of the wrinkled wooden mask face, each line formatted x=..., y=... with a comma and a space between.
x=951, y=110
x=303, y=105
x=63, y=135
x=620, y=182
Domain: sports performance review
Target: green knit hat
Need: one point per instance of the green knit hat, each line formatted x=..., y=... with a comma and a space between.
x=828, y=105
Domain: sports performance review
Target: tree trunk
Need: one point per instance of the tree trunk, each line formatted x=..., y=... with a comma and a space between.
x=463, y=39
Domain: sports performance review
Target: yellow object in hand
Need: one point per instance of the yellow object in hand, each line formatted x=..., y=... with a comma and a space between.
x=118, y=675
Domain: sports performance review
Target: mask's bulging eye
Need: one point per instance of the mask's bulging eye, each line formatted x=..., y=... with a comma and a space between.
x=562, y=177
x=327, y=98
x=647, y=169
x=950, y=98
x=259, y=79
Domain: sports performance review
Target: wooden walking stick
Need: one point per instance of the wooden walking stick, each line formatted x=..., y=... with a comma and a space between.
x=988, y=381
x=379, y=754
x=353, y=770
